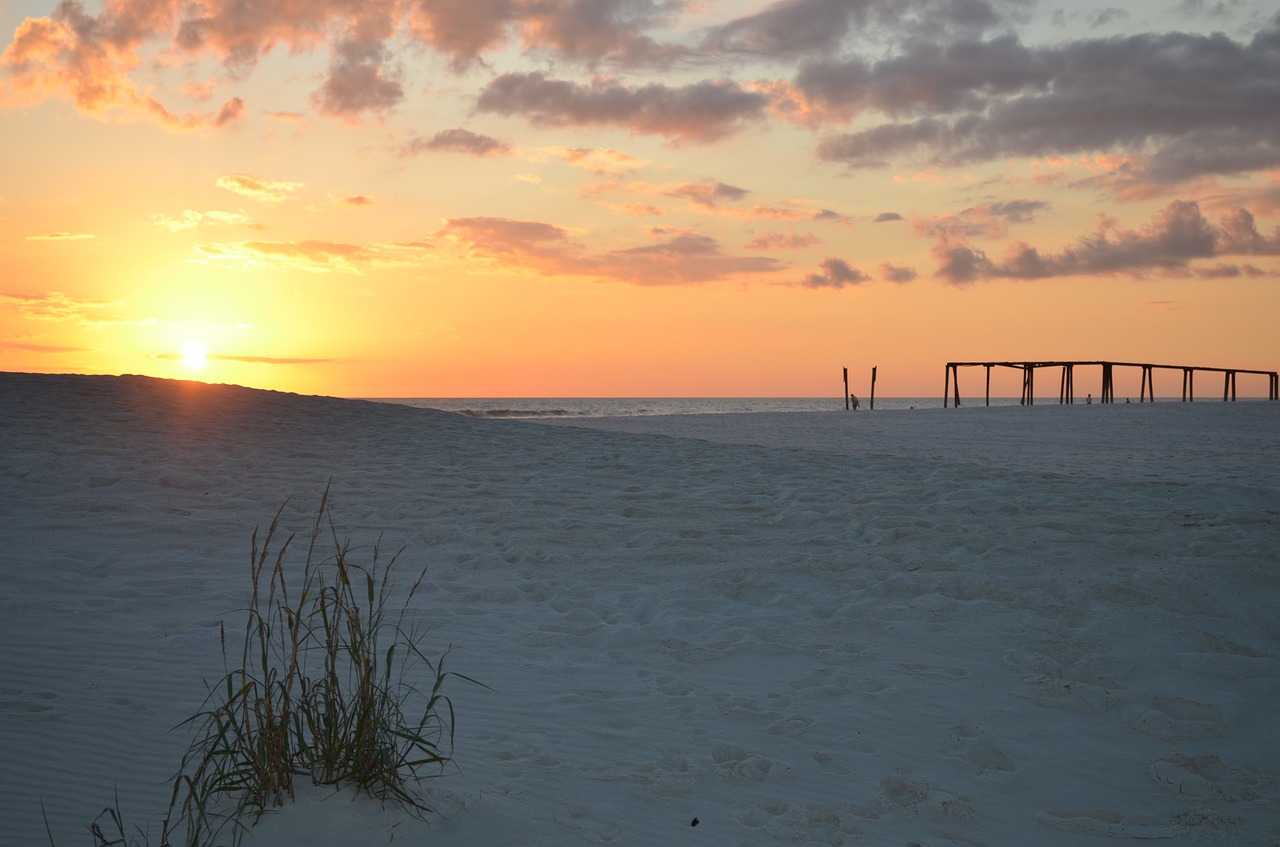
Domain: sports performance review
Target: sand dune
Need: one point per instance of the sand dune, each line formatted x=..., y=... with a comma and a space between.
x=1051, y=626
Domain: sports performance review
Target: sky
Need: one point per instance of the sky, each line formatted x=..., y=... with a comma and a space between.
x=506, y=198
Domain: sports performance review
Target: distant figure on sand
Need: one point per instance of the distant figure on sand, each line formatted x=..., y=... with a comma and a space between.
x=1088, y=401
x=853, y=399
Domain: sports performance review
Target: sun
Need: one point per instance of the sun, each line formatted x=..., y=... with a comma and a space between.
x=195, y=355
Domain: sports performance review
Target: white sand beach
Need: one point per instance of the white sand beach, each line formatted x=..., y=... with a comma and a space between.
x=1052, y=625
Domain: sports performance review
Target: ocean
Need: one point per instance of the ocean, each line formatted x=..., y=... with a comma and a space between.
x=602, y=407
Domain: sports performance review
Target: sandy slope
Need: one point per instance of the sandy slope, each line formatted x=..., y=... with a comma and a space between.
x=1009, y=626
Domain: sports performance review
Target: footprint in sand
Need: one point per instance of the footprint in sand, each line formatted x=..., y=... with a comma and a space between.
x=1107, y=823
x=982, y=752
x=1175, y=719
x=737, y=764
x=35, y=704
x=829, y=764
x=1207, y=778
x=924, y=800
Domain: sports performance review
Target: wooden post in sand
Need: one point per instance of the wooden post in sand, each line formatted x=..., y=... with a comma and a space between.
x=846, y=389
x=873, y=387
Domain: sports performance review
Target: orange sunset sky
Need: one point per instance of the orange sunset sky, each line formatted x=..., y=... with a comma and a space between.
x=457, y=198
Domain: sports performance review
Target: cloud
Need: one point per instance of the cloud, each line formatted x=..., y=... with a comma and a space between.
x=264, y=190
x=598, y=160
x=87, y=61
x=462, y=29
x=56, y=306
x=835, y=273
x=589, y=31
x=681, y=258
x=231, y=112
x=592, y=31
x=899, y=275
x=794, y=28
x=708, y=194
x=456, y=141
x=783, y=241
x=358, y=82
x=886, y=217
x=191, y=219
x=1177, y=236
x=1174, y=100
x=39, y=348
x=250, y=360
x=1231, y=271
x=310, y=256
x=710, y=198
x=62, y=236
x=990, y=220
x=701, y=112
x=1104, y=17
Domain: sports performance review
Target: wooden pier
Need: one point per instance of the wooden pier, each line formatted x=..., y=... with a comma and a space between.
x=1066, y=390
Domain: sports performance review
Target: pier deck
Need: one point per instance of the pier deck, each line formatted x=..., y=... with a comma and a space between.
x=1066, y=391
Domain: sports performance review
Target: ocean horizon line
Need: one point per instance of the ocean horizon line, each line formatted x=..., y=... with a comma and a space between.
x=598, y=407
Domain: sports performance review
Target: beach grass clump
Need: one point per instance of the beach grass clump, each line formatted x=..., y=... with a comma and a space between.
x=324, y=691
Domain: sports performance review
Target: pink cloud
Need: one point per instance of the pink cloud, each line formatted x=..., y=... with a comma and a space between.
x=680, y=258
x=783, y=241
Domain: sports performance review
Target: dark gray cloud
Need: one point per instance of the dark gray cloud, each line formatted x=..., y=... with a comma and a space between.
x=793, y=28
x=456, y=141
x=894, y=273
x=1188, y=105
x=708, y=194
x=835, y=273
x=589, y=31
x=985, y=220
x=1176, y=237
x=592, y=31
x=700, y=112
x=358, y=81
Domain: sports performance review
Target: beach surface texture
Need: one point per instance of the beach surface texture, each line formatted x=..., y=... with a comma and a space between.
x=1048, y=625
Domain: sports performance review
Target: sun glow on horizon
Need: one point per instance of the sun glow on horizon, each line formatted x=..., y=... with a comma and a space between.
x=195, y=355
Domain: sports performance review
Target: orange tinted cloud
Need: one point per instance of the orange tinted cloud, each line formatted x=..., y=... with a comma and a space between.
x=681, y=258
x=267, y=191
x=61, y=236
x=310, y=256
x=783, y=241
x=56, y=306
x=73, y=57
